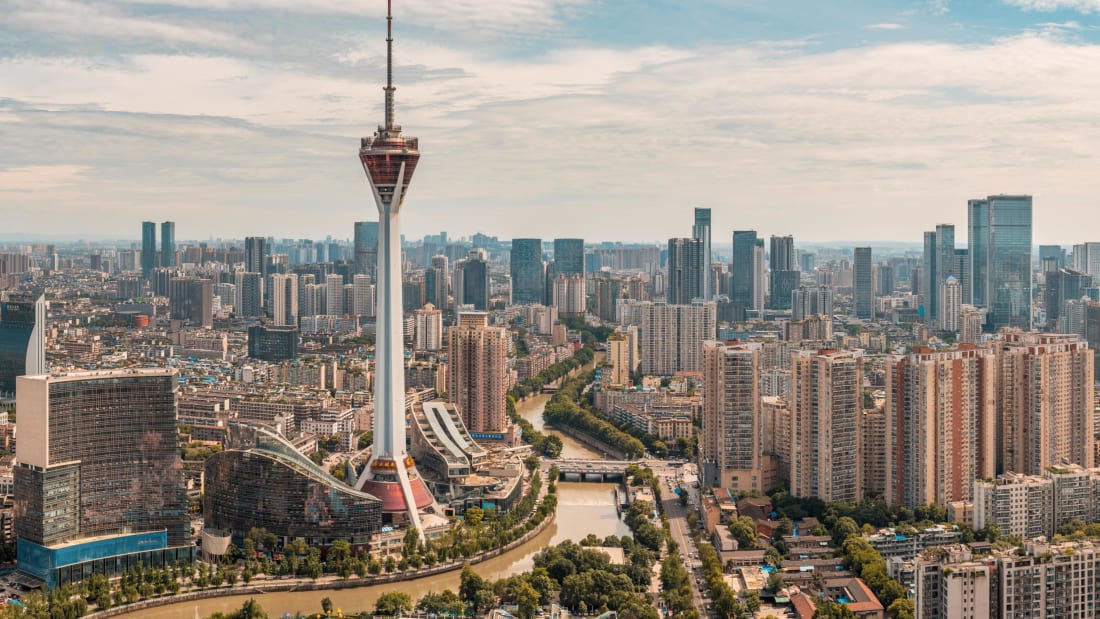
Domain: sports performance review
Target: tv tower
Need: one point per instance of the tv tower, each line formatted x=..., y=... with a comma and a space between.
x=389, y=159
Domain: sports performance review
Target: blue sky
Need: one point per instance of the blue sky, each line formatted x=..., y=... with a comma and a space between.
x=608, y=119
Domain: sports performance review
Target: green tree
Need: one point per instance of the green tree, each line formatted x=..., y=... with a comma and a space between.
x=901, y=608
x=326, y=605
x=833, y=610
x=743, y=530
x=844, y=528
x=393, y=604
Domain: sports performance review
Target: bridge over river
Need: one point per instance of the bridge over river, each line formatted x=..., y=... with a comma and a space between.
x=600, y=471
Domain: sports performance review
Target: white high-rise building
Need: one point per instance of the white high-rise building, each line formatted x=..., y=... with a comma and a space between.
x=950, y=304
x=284, y=299
x=428, y=328
x=364, y=296
x=334, y=294
x=759, y=279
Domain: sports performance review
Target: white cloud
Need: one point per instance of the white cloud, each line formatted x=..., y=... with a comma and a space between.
x=577, y=141
x=1082, y=6
x=884, y=26
x=97, y=20
x=41, y=178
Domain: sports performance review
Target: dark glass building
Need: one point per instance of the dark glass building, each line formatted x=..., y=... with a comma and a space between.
x=528, y=272
x=261, y=480
x=22, y=340
x=99, y=486
x=366, y=248
x=701, y=231
x=568, y=257
x=1000, y=259
x=744, y=244
x=168, y=244
x=686, y=275
x=148, y=248
x=472, y=282
x=863, y=281
x=273, y=344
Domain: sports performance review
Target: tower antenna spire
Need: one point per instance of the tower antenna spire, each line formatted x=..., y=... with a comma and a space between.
x=389, y=66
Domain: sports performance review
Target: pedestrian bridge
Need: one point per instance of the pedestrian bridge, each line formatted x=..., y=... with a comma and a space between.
x=599, y=471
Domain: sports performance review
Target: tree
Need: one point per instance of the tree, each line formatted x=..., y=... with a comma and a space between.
x=326, y=605
x=474, y=516
x=833, y=610
x=844, y=528
x=526, y=598
x=743, y=530
x=901, y=608
x=393, y=604
x=531, y=462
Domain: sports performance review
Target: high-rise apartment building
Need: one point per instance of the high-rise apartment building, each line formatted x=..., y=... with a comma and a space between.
x=250, y=293
x=731, y=450
x=569, y=295
x=759, y=277
x=362, y=295
x=700, y=231
x=951, y=584
x=623, y=355
x=192, y=299
x=148, y=248
x=941, y=417
x=334, y=294
x=688, y=271
x=1046, y=402
x=826, y=416
x=673, y=336
x=437, y=282
x=22, y=339
x=950, y=300
x=429, y=329
x=528, y=272
x=863, y=284
x=284, y=299
x=99, y=486
x=742, y=267
x=1000, y=259
x=806, y=302
x=477, y=358
x=168, y=244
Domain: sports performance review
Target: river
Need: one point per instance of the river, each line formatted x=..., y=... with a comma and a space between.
x=583, y=508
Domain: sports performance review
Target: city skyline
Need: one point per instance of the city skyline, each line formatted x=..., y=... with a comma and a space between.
x=822, y=103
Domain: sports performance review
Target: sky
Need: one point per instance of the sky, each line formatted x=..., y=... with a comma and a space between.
x=603, y=119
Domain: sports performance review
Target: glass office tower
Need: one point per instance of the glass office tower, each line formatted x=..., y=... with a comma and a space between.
x=1000, y=259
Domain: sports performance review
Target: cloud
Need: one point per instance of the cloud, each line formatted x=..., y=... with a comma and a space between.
x=41, y=178
x=884, y=26
x=579, y=139
x=938, y=7
x=1081, y=6
x=84, y=20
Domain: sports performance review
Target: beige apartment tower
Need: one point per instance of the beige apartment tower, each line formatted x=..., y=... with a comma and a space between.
x=1046, y=402
x=477, y=373
x=941, y=424
x=826, y=423
x=731, y=416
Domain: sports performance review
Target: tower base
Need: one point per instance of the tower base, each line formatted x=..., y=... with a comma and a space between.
x=393, y=499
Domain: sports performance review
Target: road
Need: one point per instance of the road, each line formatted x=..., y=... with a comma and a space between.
x=678, y=526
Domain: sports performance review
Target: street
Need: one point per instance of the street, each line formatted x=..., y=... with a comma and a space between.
x=670, y=478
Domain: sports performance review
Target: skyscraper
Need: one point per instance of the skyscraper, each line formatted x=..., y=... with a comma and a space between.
x=941, y=420
x=477, y=358
x=950, y=299
x=472, y=281
x=168, y=244
x=284, y=299
x=939, y=264
x=192, y=299
x=528, y=272
x=731, y=410
x=250, y=291
x=389, y=160
x=255, y=255
x=568, y=257
x=99, y=474
x=687, y=276
x=826, y=416
x=437, y=286
x=784, y=273
x=22, y=340
x=1000, y=259
x=863, y=284
x=701, y=232
x=148, y=248
x=366, y=248
x=744, y=244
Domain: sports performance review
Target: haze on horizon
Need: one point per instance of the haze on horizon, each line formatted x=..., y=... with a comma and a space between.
x=598, y=119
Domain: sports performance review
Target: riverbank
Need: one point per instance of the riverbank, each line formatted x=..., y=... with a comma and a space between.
x=590, y=442
x=328, y=583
